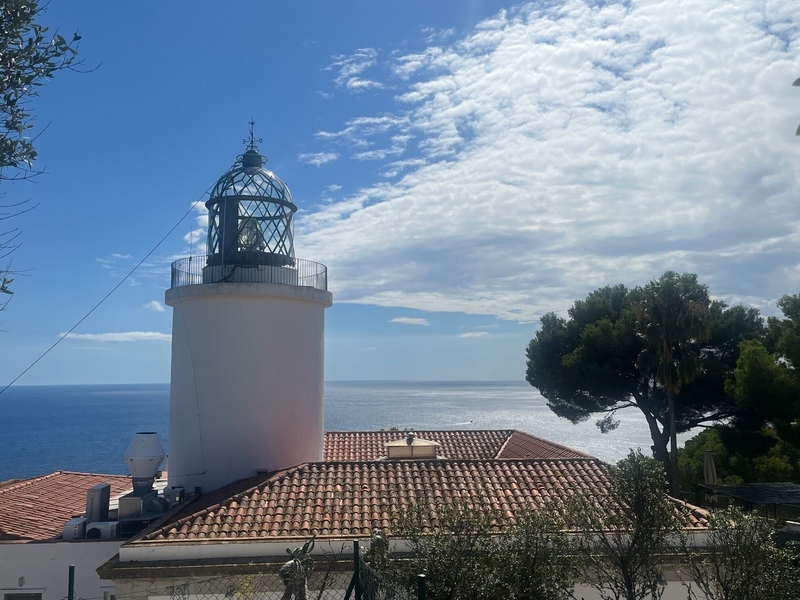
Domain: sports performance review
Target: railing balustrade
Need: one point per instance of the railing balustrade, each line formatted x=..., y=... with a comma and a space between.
x=194, y=270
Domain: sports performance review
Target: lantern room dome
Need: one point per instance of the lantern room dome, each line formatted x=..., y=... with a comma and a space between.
x=250, y=216
x=248, y=177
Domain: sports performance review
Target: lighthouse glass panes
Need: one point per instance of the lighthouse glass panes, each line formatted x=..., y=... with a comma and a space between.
x=265, y=227
x=251, y=216
x=213, y=229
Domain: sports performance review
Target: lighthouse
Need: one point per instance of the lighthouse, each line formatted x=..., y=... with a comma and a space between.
x=246, y=386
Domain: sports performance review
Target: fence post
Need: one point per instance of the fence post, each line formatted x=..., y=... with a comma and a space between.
x=356, y=569
x=71, y=584
x=421, y=587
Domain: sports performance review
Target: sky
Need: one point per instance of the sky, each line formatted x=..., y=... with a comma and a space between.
x=462, y=167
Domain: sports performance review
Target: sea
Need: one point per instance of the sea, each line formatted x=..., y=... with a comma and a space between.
x=88, y=427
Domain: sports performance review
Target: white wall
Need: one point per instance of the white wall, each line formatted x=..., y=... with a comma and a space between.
x=247, y=380
x=673, y=590
x=45, y=567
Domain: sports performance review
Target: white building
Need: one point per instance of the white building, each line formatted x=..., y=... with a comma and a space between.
x=34, y=554
x=246, y=391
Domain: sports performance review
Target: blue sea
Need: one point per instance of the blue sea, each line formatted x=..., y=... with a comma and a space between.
x=88, y=427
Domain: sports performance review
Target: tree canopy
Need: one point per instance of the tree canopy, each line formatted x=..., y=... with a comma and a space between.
x=597, y=361
x=623, y=538
x=672, y=315
x=29, y=56
x=761, y=442
x=740, y=560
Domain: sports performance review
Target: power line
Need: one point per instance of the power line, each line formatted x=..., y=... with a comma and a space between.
x=104, y=298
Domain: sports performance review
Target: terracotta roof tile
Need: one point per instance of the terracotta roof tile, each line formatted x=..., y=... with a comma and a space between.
x=352, y=498
x=525, y=445
x=454, y=444
x=38, y=508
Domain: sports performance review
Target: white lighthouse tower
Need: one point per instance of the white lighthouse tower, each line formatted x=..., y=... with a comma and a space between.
x=246, y=392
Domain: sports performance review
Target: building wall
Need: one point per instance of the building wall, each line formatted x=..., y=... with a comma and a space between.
x=45, y=568
x=247, y=381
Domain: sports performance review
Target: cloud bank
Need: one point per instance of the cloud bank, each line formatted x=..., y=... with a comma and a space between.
x=124, y=336
x=557, y=149
x=411, y=321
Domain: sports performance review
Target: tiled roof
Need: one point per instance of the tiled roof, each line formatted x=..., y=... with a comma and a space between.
x=454, y=444
x=697, y=517
x=352, y=498
x=525, y=445
x=38, y=508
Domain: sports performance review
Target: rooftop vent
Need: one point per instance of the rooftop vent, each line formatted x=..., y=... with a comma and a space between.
x=143, y=457
x=97, y=501
x=411, y=447
x=143, y=505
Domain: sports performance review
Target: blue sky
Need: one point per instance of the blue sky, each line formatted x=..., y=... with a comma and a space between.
x=461, y=167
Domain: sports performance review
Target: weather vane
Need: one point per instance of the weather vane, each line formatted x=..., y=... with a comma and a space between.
x=251, y=143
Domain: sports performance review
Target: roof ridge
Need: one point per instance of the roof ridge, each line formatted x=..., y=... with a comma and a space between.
x=380, y=461
x=552, y=443
x=503, y=447
x=28, y=481
x=416, y=430
x=32, y=480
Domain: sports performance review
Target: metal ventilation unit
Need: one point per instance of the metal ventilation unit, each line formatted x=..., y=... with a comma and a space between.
x=143, y=505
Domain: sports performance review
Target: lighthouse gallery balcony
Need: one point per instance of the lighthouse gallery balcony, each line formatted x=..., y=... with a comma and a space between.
x=196, y=270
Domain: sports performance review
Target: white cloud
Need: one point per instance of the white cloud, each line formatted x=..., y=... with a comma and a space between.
x=155, y=306
x=575, y=145
x=125, y=336
x=195, y=236
x=317, y=158
x=121, y=256
x=379, y=154
x=349, y=70
x=333, y=188
x=434, y=35
x=411, y=321
x=359, y=132
x=195, y=239
x=474, y=334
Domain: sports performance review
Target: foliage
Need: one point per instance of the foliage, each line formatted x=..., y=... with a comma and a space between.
x=453, y=556
x=774, y=461
x=596, y=362
x=761, y=442
x=767, y=385
x=672, y=315
x=535, y=560
x=28, y=58
x=740, y=561
x=622, y=539
x=465, y=558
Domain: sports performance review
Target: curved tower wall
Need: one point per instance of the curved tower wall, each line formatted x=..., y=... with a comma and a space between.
x=246, y=392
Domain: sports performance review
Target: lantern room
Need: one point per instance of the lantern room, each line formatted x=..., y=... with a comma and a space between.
x=250, y=215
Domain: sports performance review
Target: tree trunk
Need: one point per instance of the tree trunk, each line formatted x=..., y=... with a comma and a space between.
x=660, y=438
x=673, y=440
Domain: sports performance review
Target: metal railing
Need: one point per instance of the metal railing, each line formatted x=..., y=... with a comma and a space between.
x=194, y=270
